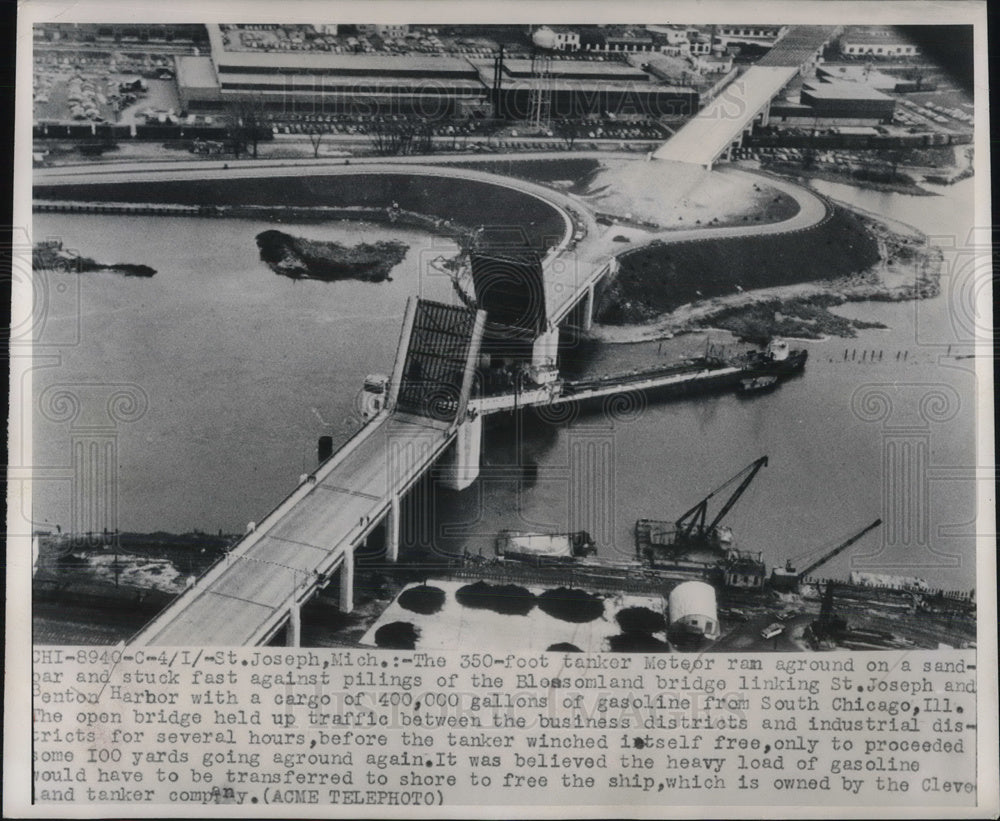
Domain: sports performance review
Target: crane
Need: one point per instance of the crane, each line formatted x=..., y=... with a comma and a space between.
x=691, y=525
x=789, y=577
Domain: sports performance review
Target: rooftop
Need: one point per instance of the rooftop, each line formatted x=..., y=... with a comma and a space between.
x=843, y=91
x=196, y=72
x=319, y=82
x=580, y=69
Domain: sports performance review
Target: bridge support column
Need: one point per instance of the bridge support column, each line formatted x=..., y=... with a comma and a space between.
x=293, y=632
x=588, y=308
x=392, y=530
x=347, y=581
x=463, y=468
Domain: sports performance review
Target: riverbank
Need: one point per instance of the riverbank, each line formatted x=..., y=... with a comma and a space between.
x=901, y=265
x=442, y=201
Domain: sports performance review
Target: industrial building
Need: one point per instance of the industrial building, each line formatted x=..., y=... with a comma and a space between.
x=426, y=86
x=876, y=42
x=577, y=88
x=835, y=103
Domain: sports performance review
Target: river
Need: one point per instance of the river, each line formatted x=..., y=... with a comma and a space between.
x=244, y=370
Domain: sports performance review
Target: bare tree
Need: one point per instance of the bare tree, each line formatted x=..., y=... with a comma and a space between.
x=402, y=138
x=568, y=131
x=248, y=122
x=316, y=134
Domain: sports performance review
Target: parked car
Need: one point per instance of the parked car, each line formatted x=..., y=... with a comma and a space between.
x=772, y=630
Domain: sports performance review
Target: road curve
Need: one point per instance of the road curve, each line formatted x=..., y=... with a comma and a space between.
x=564, y=282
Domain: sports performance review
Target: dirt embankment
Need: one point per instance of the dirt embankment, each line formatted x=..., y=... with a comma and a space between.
x=781, y=285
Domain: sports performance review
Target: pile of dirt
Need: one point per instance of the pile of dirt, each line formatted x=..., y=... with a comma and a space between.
x=398, y=635
x=572, y=605
x=679, y=195
x=424, y=599
x=637, y=643
x=640, y=620
x=505, y=599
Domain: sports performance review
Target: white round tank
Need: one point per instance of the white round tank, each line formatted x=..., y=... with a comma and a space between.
x=692, y=607
x=544, y=37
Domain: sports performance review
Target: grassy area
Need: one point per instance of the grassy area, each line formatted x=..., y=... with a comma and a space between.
x=661, y=277
x=574, y=169
x=801, y=317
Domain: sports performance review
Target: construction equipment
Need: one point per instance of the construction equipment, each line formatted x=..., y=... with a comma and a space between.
x=788, y=578
x=691, y=525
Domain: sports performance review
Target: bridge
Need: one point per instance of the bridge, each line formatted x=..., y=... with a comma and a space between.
x=720, y=127
x=258, y=588
x=423, y=415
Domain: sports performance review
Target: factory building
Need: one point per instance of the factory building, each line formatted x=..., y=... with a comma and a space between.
x=360, y=84
x=577, y=88
x=877, y=43
x=197, y=83
x=835, y=104
x=425, y=86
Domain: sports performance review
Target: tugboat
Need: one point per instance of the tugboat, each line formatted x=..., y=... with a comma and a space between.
x=758, y=384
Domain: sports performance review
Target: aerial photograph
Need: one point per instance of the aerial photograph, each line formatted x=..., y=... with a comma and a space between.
x=647, y=337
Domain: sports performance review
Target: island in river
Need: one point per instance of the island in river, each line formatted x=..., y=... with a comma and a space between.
x=300, y=258
x=50, y=255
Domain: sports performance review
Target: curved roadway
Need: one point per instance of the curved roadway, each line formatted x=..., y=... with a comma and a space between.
x=567, y=274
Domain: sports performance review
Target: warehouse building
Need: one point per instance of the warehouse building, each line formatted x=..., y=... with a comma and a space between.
x=835, y=104
x=876, y=42
x=197, y=83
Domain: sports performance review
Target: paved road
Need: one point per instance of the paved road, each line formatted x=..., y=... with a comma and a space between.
x=239, y=600
x=567, y=274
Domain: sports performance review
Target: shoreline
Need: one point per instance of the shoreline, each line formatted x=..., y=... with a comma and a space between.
x=916, y=276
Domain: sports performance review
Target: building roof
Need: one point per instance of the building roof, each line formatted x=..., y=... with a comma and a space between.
x=843, y=91
x=359, y=85
x=324, y=62
x=703, y=138
x=866, y=39
x=579, y=69
x=196, y=72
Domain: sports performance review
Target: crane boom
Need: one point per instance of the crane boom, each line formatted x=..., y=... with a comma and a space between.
x=838, y=549
x=694, y=519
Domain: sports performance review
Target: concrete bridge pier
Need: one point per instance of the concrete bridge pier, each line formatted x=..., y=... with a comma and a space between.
x=293, y=632
x=462, y=466
x=347, y=581
x=588, y=308
x=392, y=530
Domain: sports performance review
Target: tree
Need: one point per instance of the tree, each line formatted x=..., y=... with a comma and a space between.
x=402, y=138
x=568, y=131
x=316, y=134
x=248, y=121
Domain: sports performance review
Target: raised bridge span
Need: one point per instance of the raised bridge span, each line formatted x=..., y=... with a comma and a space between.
x=259, y=586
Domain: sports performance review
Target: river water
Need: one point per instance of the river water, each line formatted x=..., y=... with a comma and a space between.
x=244, y=370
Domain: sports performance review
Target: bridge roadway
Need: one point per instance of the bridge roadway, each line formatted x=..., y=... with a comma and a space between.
x=250, y=594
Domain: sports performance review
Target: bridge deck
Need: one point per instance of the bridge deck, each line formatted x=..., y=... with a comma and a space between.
x=707, y=135
x=245, y=599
